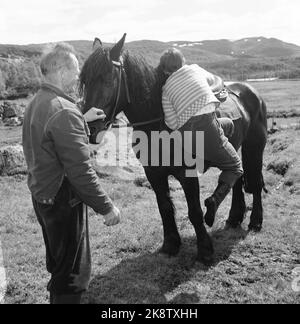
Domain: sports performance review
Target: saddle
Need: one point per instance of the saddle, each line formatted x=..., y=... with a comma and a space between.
x=230, y=106
x=222, y=95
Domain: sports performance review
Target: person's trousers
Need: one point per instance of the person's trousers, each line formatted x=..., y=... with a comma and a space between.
x=217, y=149
x=66, y=237
x=227, y=125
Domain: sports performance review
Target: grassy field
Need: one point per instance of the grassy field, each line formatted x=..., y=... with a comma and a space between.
x=248, y=268
x=280, y=95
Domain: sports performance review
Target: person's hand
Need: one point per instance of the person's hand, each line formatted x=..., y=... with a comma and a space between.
x=94, y=114
x=113, y=218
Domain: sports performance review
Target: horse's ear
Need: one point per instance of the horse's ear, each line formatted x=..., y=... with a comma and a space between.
x=97, y=43
x=115, y=52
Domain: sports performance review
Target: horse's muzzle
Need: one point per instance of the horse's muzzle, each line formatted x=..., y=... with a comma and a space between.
x=96, y=127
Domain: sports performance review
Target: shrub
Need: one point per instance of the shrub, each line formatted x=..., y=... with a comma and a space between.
x=18, y=77
x=280, y=166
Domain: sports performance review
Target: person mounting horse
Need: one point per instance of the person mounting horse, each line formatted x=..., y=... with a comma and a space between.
x=189, y=104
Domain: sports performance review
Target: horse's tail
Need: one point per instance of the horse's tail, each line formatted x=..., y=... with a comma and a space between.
x=254, y=145
x=253, y=176
x=265, y=123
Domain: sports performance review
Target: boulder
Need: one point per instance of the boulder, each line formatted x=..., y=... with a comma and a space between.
x=13, y=121
x=11, y=110
x=12, y=161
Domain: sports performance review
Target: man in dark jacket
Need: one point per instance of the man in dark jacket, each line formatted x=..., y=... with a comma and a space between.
x=60, y=176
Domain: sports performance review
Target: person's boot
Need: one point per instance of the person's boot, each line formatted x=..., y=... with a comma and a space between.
x=212, y=203
x=66, y=299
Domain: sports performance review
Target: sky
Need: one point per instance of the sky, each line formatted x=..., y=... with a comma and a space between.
x=43, y=21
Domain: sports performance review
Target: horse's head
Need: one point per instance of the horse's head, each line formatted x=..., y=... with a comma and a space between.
x=100, y=84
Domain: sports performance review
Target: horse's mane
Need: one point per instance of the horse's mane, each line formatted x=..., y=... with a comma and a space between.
x=96, y=65
x=144, y=81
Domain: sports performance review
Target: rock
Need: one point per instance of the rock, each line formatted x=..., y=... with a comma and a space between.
x=11, y=114
x=11, y=110
x=12, y=160
x=14, y=121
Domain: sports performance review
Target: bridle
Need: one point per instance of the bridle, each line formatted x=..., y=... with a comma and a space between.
x=110, y=123
x=121, y=75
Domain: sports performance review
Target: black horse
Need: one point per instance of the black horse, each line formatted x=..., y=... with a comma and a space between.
x=123, y=82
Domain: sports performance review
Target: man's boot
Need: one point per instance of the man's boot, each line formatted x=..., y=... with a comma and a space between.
x=212, y=203
x=66, y=299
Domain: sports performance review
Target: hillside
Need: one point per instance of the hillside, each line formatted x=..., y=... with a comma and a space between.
x=256, y=57
x=247, y=47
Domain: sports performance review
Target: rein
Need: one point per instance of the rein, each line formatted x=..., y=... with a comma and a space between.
x=111, y=122
x=132, y=125
x=120, y=74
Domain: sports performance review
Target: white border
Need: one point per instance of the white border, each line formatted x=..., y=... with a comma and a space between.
x=3, y=282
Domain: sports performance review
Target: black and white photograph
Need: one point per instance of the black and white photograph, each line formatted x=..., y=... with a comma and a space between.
x=149, y=154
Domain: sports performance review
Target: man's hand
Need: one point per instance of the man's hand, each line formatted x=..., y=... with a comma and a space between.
x=94, y=114
x=113, y=218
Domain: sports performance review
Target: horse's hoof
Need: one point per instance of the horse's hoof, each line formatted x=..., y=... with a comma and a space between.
x=236, y=218
x=207, y=260
x=169, y=250
x=232, y=226
x=255, y=228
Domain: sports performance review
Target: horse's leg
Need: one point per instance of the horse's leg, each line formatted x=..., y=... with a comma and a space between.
x=192, y=193
x=238, y=206
x=253, y=146
x=256, y=218
x=254, y=182
x=160, y=185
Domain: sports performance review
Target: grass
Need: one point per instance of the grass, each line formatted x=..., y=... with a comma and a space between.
x=249, y=268
x=280, y=96
x=282, y=159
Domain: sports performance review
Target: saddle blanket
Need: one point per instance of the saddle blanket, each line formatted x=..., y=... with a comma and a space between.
x=231, y=108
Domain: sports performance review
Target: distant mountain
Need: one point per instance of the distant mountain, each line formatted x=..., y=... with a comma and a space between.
x=251, y=47
x=254, y=57
x=221, y=49
x=264, y=47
